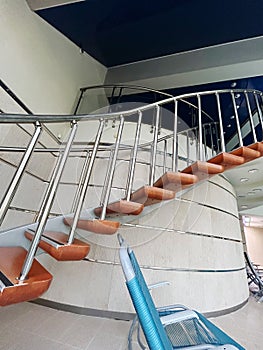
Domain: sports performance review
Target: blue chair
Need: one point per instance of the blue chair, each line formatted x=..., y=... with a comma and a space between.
x=172, y=327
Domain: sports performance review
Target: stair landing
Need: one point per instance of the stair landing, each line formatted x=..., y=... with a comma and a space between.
x=11, y=290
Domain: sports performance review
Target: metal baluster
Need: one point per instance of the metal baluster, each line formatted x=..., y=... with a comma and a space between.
x=237, y=120
x=106, y=180
x=48, y=190
x=188, y=149
x=175, y=150
x=86, y=176
x=81, y=182
x=112, y=170
x=205, y=144
x=49, y=201
x=9, y=195
x=211, y=139
x=133, y=158
x=164, y=156
x=222, y=138
x=200, y=130
x=259, y=111
x=154, y=146
x=250, y=117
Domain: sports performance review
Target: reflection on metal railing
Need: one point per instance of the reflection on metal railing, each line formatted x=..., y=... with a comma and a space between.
x=174, y=138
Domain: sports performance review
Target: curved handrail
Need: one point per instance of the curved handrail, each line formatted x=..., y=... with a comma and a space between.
x=54, y=118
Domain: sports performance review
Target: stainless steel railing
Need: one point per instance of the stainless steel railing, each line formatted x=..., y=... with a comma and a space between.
x=170, y=134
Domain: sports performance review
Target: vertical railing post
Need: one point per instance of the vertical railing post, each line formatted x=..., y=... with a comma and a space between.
x=175, y=146
x=259, y=111
x=221, y=128
x=205, y=142
x=154, y=146
x=250, y=117
x=112, y=169
x=47, y=206
x=133, y=158
x=164, y=155
x=200, y=130
x=86, y=176
x=81, y=182
x=187, y=148
x=237, y=119
x=9, y=195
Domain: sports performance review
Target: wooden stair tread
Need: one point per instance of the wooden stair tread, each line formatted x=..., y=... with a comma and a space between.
x=55, y=244
x=105, y=227
x=246, y=152
x=175, y=181
x=11, y=263
x=227, y=160
x=204, y=170
x=258, y=146
x=121, y=207
x=148, y=195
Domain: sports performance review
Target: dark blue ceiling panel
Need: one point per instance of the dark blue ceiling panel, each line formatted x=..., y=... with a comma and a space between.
x=117, y=32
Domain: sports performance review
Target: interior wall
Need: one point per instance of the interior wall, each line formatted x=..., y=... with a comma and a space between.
x=254, y=240
x=39, y=64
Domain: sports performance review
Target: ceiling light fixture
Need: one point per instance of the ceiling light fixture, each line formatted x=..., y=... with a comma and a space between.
x=243, y=179
x=257, y=189
x=244, y=206
x=251, y=171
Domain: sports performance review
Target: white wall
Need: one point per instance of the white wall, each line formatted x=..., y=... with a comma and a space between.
x=43, y=68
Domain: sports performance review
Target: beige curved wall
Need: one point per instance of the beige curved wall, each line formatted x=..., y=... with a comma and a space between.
x=193, y=242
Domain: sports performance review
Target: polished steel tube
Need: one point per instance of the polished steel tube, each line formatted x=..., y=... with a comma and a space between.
x=112, y=169
x=47, y=192
x=259, y=111
x=188, y=148
x=200, y=130
x=81, y=182
x=175, y=150
x=11, y=191
x=133, y=158
x=49, y=201
x=222, y=138
x=154, y=147
x=250, y=117
x=86, y=177
x=106, y=179
x=205, y=143
x=237, y=119
x=164, y=156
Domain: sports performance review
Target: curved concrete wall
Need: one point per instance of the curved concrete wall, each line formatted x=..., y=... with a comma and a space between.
x=193, y=242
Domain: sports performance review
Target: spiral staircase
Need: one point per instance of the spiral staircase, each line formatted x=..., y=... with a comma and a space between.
x=177, y=154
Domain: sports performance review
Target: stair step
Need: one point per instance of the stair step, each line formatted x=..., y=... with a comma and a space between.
x=11, y=290
x=121, y=207
x=203, y=170
x=258, y=146
x=55, y=244
x=175, y=181
x=105, y=227
x=228, y=160
x=246, y=152
x=148, y=195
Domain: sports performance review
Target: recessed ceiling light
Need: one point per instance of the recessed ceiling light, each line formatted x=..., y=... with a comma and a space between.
x=234, y=84
x=257, y=190
x=243, y=179
x=237, y=95
x=229, y=125
x=232, y=117
x=252, y=170
x=244, y=206
x=238, y=106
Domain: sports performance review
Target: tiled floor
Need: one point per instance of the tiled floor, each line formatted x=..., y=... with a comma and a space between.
x=29, y=326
